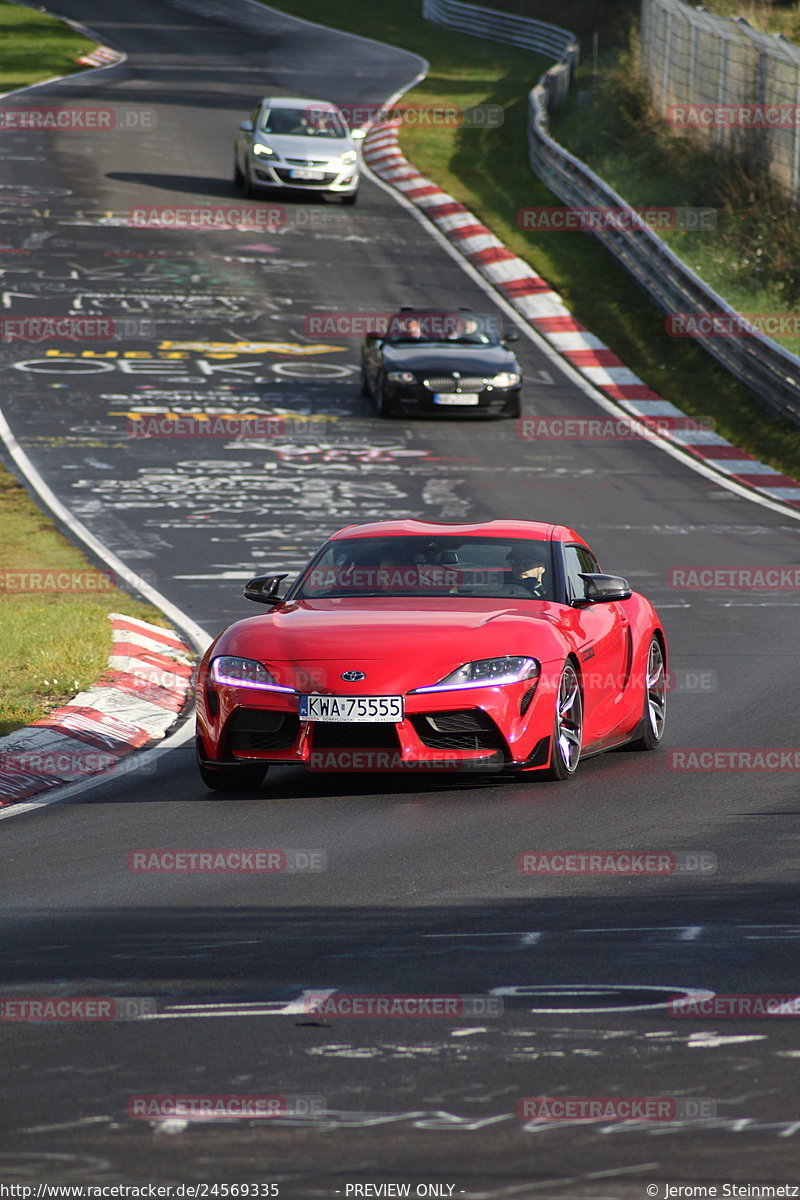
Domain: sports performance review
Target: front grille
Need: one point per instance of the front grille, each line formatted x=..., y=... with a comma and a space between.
x=446, y=383
x=260, y=729
x=354, y=735
x=468, y=729
x=285, y=177
x=305, y=162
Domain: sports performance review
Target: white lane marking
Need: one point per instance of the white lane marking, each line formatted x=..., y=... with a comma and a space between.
x=712, y=1040
x=690, y=933
x=273, y=1008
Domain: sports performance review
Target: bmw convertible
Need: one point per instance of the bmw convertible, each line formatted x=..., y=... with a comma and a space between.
x=410, y=645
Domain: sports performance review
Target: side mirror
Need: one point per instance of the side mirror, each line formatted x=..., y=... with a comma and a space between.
x=358, y=135
x=246, y=126
x=264, y=589
x=600, y=589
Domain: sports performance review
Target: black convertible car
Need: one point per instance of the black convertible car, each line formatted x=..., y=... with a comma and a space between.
x=441, y=362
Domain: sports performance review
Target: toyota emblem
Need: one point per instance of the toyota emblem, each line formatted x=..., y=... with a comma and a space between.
x=353, y=676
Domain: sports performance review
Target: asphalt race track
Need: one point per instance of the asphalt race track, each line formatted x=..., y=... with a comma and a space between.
x=421, y=891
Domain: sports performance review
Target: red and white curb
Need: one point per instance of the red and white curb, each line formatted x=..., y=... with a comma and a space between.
x=134, y=704
x=102, y=56
x=545, y=311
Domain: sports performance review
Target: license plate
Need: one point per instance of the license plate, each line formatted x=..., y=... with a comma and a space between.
x=456, y=398
x=351, y=708
x=297, y=174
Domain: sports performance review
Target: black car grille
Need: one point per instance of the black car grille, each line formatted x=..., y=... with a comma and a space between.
x=446, y=383
x=354, y=735
x=260, y=729
x=285, y=177
x=467, y=729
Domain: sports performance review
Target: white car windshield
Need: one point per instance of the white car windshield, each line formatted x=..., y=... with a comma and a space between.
x=303, y=122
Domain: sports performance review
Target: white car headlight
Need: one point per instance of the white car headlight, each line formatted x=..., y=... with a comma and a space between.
x=260, y=148
x=244, y=672
x=510, y=668
x=505, y=379
x=349, y=156
x=400, y=377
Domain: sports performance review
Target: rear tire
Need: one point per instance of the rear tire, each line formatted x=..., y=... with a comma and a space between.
x=233, y=779
x=567, y=728
x=381, y=403
x=655, y=700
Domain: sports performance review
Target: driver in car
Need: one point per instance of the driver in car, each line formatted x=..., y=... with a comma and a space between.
x=528, y=568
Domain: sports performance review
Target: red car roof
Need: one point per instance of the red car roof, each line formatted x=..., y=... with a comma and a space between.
x=541, y=530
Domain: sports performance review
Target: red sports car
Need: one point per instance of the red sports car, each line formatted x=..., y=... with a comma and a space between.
x=413, y=644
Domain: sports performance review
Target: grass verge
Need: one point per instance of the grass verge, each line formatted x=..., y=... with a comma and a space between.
x=52, y=644
x=487, y=169
x=36, y=46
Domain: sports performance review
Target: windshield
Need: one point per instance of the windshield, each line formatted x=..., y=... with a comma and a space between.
x=425, y=566
x=466, y=328
x=303, y=122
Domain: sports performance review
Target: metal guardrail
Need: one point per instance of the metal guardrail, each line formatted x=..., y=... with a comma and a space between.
x=523, y=32
x=769, y=371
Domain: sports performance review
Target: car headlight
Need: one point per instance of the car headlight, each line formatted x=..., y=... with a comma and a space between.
x=400, y=377
x=510, y=668
x=244, y=672
x=260, y=148
x=505, y=379
x=349, y=156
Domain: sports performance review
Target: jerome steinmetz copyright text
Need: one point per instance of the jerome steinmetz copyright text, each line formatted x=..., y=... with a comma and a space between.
x=718, y=1191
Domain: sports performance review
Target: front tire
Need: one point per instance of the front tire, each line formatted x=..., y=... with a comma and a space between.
x=381, y=403
x=238, y=177
x=351, y=199
x=655, y=699
x=567, y=728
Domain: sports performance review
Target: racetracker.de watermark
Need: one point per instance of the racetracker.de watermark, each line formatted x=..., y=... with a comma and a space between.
x=326, y=1004
x=77, y=119
x=735, y=1005
x=55, y=581
x=543, y=218
x=75, y=1008
x=616, y=862
x=607, y=429
x=720, y=579
x=751, y=758
x=206, y=426
x=230, y=216
x=732, y=325
x=424, y=116
x=413, y=325
x=392, y=760
x=734, y=116
x=224, y=1107
x=226, y=861
x=75, y=329
x=615, y=1108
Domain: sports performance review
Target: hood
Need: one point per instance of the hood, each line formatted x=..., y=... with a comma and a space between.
x=397, y=647
x=443, y=359
x=306, y=148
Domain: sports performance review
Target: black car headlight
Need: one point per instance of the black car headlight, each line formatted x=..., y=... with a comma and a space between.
x=509, y=668
x=244, y=672
x=400, y=377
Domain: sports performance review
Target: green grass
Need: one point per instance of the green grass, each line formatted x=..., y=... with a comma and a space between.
x=51, y=645
x=488, y=171
x=36, y=46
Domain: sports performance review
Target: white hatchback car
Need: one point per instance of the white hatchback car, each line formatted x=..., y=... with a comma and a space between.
x=300, y=144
